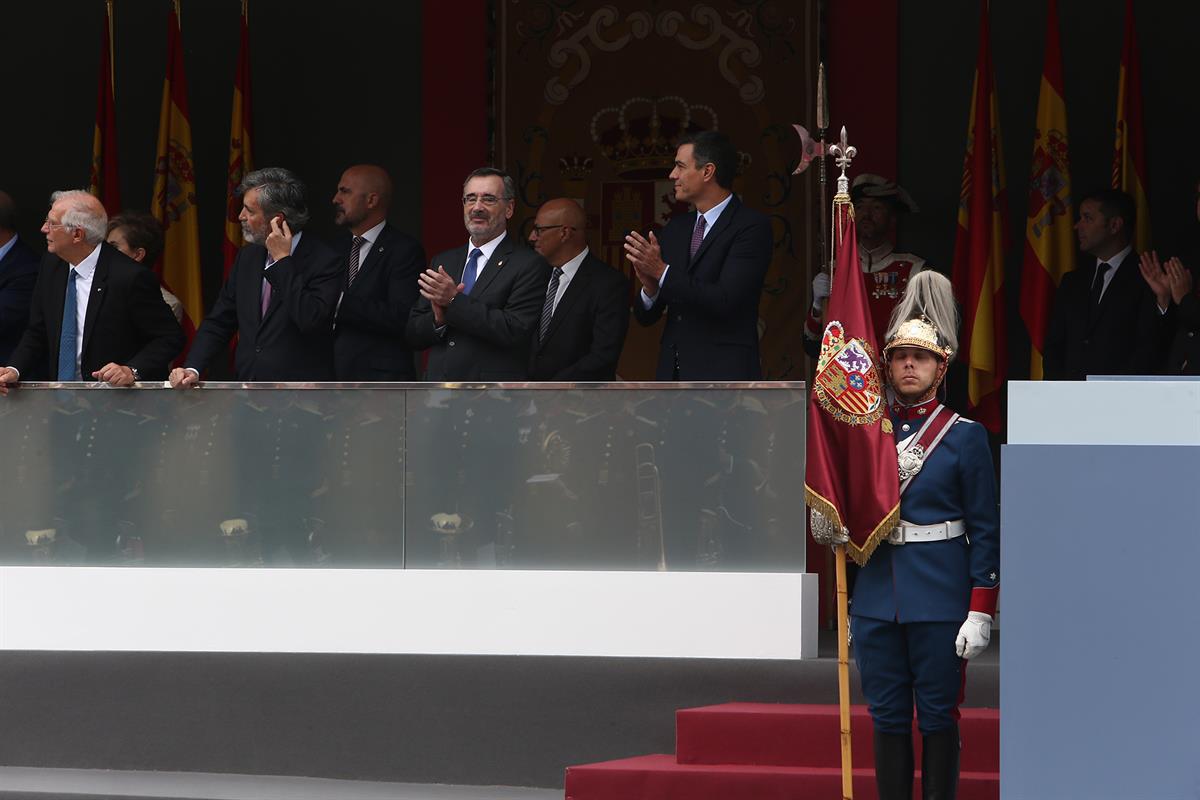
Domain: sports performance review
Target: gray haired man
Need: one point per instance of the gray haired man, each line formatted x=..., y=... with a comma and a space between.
x=280, y=295
x=96, y=314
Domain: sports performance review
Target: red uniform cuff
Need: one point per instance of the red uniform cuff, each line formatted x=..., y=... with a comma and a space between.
x=812, y=325
x=984, y=599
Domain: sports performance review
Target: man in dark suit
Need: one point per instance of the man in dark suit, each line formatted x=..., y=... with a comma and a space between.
x=706, y=272
x=18, y=272
x=480, y=304
x=280, y=295
x=1106, y=320
x=1176, y=280
x=585, y=314
x=379, y=285
x=95, y=312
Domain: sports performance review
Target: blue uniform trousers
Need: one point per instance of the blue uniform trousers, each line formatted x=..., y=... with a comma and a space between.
x=899, y=660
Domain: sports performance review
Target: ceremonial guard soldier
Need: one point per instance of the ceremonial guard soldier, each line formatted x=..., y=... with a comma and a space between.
x=878, y=203
x=924, y=602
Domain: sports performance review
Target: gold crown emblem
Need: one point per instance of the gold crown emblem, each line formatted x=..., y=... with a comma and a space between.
x=918, y=332
x=641, y=135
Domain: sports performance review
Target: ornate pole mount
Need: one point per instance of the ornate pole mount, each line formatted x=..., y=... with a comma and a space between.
x=843, y=153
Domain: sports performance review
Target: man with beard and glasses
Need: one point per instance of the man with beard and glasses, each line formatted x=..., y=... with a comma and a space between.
x=923, y=604
x=481, y=302
x=280, y=295
x=379, y=285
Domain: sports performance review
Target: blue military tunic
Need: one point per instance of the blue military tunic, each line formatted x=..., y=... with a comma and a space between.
x=935, y=581
x=910, y=599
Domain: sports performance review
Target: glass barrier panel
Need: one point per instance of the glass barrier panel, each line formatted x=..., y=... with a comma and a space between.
x=625, y=476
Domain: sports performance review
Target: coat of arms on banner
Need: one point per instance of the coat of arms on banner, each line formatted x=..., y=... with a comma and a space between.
x=847, y=383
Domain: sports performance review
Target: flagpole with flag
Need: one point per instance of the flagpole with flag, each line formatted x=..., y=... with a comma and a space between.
x=979, y=246
x=240, y=138
x=1129, y=154
x=851, y=484
x=1049, y=226
x=105, y=178
x=174, y=200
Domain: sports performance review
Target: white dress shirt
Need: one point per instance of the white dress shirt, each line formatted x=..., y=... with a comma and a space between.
x=568, y=269
x=1114, y=264
x=85, y=271
x=487, y=248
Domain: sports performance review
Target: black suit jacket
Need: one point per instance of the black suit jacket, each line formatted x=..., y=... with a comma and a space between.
x=711, y=301
x=1183, y=358
x=368, y=339
x=294, y=340
x=18, y=274
x=583, y=342
x=488, y=332
x=127, y=321
x=1123, y=337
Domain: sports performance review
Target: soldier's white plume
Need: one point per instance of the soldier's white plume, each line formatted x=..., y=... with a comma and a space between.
x=928, y=294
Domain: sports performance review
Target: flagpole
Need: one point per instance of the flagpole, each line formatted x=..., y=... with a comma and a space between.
x=843, y=152
x=843, y=613
x=112, y=52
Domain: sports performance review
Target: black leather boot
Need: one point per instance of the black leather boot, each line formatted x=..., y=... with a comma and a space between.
x=894, y=765
x=939, y=765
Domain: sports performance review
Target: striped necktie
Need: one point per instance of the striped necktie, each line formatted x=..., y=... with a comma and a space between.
x=548, y=308
x=355, y=252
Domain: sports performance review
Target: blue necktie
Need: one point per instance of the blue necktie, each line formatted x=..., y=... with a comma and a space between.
x=472, y=270
x=68, y=370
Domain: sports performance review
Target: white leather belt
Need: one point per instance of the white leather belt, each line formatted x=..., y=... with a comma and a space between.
x=906, y=532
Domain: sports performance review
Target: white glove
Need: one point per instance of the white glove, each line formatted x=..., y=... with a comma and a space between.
x=974, y=635
x=821, y=290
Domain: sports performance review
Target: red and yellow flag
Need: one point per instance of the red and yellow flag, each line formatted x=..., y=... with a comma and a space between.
x=980, y=244
x=1129, y=155
x=850, y=477
x=105, y=179
x=240, y=159
x=1049, y=227
x=174, y=203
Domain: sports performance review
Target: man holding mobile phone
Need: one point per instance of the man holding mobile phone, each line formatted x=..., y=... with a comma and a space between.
x=280, y=295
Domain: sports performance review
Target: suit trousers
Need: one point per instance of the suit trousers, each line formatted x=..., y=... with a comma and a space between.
x=899, y=660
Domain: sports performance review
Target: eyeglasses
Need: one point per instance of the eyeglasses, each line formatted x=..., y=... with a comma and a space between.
x=51, y=224
x=538, y=230
x=486, y=199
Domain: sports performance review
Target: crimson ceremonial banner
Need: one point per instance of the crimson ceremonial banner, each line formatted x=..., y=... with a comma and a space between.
x=1050, y=224
x=240, y=159
x=978, y=275
x=850, y=477
x=106, y=179
x=174, y=201
x=1129, y=153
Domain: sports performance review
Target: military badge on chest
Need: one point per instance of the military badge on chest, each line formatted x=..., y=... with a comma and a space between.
x=889, y=284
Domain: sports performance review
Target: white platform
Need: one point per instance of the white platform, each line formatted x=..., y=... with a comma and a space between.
x=468, y=612
x=1142, y=412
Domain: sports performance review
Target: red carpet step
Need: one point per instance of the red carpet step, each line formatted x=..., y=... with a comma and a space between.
x=755, y=751
x=659, y=777
x=808, y=736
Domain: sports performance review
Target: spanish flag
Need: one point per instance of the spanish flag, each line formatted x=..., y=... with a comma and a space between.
x=240, y=159
x=174, y=203
x=1049, y=228
x=1129, y=155
x=105, y=179
x=979, y=246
